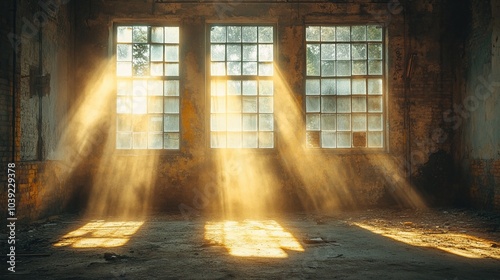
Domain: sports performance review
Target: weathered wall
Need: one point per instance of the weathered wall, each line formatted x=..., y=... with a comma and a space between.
x=366, y=179
x=477, y=109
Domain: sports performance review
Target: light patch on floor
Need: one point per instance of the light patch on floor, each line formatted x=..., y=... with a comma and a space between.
x=251, y=238
x=100, y=234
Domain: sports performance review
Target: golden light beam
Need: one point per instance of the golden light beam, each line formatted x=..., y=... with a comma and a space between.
x=252, y=238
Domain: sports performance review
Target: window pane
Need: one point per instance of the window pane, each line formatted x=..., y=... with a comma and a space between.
x=123, y=140
x=234, y=87
x=171, y=140
x=375, y=86
x=375, y=51
x=156, y=123
x=312, y=121
x=218, y=104
x=234, y=122
x=234, y=34
x=124, y=52
x=157, y=34
x=374, y=33
x=375, y=104
x=312, y=104
x=359, y=122
x=155, y=105
x=328, y=87
x=375, y=139
x=171, y=123
x=359, y=104
x=328, y=122
x=139, y=105
x=124, y=87
x=343, y=139
x=140, y=34
x=312, y=33
x=266, y=140
x=343, y=86
x=218, y=34
x=344, y=104
x=249, y=87
x=266, y=122
x=358, y=33
x=375, y=122
x=266, y=88
x=358, y=51
x=234, y=104
x=265, y=34
x=171, y=105
x=343, y=51
x=328, y=104
x=312, y=87
x=343, y=122
x=124, y=34
x=327, y=51
x=123, y=123
x=265, y=52
x=327, y=33
x=250, y=140
x=249, y=34
x=265, y=104
x=234, y=140
x=140, y=140
x=218, y=52
x=249, y=122
x=234, y=52
x=327, y=68
x=250, y=52
x=156, y=52
x=358, y=86
x=313, y=60
x=328, y=139
x=172, y=35
x=155, y=140
x=343, y=33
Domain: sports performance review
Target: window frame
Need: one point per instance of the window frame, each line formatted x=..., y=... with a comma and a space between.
x=209, y=78
x=113, y=51
x=385, y=90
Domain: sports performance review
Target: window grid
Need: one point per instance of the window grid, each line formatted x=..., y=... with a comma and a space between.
x=242, y=89
x=344, y=86
x=148, y=102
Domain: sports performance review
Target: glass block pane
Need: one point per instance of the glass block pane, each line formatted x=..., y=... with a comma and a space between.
x=375, y=122
x=265, y=104
x=218, y=34
x=156, y=123
x=265, y=52
x=343, y=86
x=359, y=67
x=265, y=34
x=358, y=122
x=218, y=140
x=233, y=87
x=249, y=34
x=123, y=105
x=140, y=123
x=234, y=52
x=343, y=33
x=218, y=88
x=124, y=87
x=123, y=122
x=124, y=69
x=172, y=35
x=312, y=87
x=171, y=123
x=249, y=87
x=343, y=51
x=358, y=51
x=156, y=69
x=140, y=34
x=155, y=140
x=328, y=139
x=312, y=33
x=343, y=122
x=328, y=122
x=140, y=140
x=218, y=52
x=249, y=122
x=233, y=104
x=250, y=52
x=218, y=104
x=265, y=69
x=266, y=122
x=359, y=104
x=313, y=122
x=327, y=33
x=266, y=140
x=234, y=140
x=218, y=122
x=328, y=87
x=124, y=34
x=155, y=88
x=249, y=68
x=359, y=86
x=123, y=140
x=375, y=139
x=312, y=104
x=375, y=104
x=343, y=68
x=328, y=104
x=312, y=139
x=344, y=104
x=358, y=33
x=234, y=34
x=172, y=53
x=250, y=104
x=234, y=122
x=155, y=105
x=171, y=105
x=218, y=69
x=140, y=88
x=375, y=51
x=157, y=34
x=171, y=88
x=374, y=33
x=266, y=87
x=313, y=59
x=139, y=105
x=171, y=141
x=250, y=140
x=123, y=52
x=234, y=68
x=327, y=68
x=171, y=69
x=327, y=51
x=343, y=139
x=156, y=52
x=375, y=86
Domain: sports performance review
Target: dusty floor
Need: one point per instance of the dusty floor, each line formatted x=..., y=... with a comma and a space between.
x=376, y=244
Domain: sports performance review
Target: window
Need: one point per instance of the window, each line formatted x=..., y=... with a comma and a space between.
x=147, y=69
x=344, y=86
x=241, y=86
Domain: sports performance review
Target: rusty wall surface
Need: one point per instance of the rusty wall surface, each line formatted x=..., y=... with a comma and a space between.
x=368, y=179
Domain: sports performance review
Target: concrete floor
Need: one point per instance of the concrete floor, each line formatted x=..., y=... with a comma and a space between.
x=354, y=245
